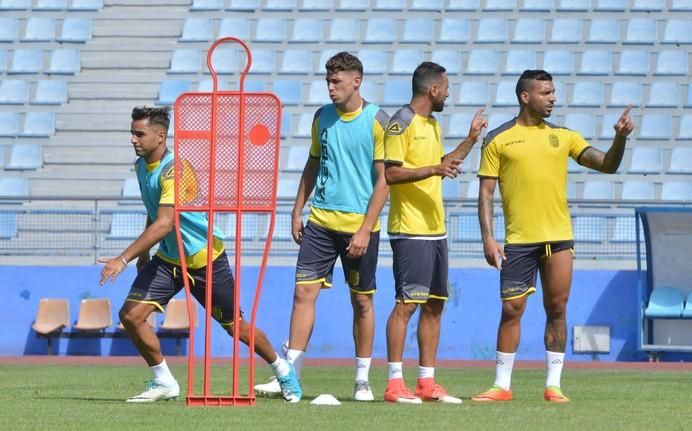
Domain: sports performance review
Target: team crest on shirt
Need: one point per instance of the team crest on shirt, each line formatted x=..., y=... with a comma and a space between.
x=554, y=141
x=394, y=128
x=353, y=278
x=168, y=174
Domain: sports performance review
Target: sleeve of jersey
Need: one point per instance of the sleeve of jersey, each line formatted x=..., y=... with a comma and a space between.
x=167, y=189
x=577, y=145
x=490, y=160
x=395, y=145
x=378, y=127
x=315, y=142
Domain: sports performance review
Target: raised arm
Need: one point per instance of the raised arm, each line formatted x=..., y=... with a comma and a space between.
x=609, y=162
x=464, y=148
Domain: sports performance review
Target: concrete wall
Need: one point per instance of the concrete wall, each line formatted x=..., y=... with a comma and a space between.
x=469, y=322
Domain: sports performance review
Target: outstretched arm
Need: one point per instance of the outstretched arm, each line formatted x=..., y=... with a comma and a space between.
x=609, y=162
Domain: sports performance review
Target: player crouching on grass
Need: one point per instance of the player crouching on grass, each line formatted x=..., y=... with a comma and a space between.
x=160, y=278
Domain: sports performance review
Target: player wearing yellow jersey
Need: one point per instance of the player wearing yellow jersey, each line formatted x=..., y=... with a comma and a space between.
x=528, y=157
x=415, y=166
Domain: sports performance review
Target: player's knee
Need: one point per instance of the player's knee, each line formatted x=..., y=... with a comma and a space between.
x=405, y=311
x=305, y=293
x=556, y=308
x=512, y=310
x=130, y=316
x=362, y=304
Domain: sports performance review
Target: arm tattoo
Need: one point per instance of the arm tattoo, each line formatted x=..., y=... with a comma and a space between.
x=485, y=215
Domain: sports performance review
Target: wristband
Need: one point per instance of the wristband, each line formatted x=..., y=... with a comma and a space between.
x=122, y=259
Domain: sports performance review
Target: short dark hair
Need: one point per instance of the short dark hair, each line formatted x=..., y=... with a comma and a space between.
x=160, y=116
x=344, y=62
x=424, y=75
x=531, y=75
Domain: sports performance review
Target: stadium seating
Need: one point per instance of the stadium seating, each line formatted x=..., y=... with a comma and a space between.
x=50, y=5
x=519, y=60
x=307, y=30
x=671, y=62
x=664, y=94
x=344, y=30
x=492, y=30
x=566, y=30
x=26, y=61
x=482, y=62
x=8, y=224
x=633, y=62
x=603, y=31
x=646, y=160
x=380, y=30
x=676, y=191
x=85, y=5
x=176, y=320
x=50, y=92
x=596, y=62
x=25, y=157
x=417, y=31
x=9, y=29
x=681, y=160
x=624, y=93
x=598, y=189
x=637, y=190
x=640, y=31
x=14, y=5
x=655, y=126
x=270, y=30
x=94, y=315
x=52, y=316
x=318, y=95
x=687, y=311
x=197, y=30
x=454, y=31
x=14, y=187
x=297, y=156
x=38, y=124
x=171, y=89
x=587, y=93
x=186, y=61
x=405, y=61
x=206, y=5
x=473, y=93
x=39, y=29
x=127, y=225
x=664, y=302
x=14, y=92
x=64, y=62
x=236, y=27
x=76, y=30
x=558, y=61
x=529, y=30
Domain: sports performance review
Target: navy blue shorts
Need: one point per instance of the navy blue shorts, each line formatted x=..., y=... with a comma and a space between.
x=518, y=274
x=420, y=269
x=318, y=252
x=160, y=281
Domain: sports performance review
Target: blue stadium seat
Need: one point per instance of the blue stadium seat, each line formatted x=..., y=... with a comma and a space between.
x=624, y=229
x=76, y=30
x=14, y=92
x=15, y=4
x=574, y=167
x=558, y=61
x=648, y=5
x=492, y=30
x=353, y=5
x=505, y=94
x=296, y=61
x=2, y=156
x=131, y=188
x=607, y=123
x=207, y=86
x=566, y=30
x=64, y=62
x=3, y=60
x=38, y=124
x=672, y=62
x=392, y=5
x=270, y=30
x=304, y=125
x=326, y=54
x=374, y=61
x=656, y=126
x=573, y=5
x=254, y=86
x=463, y=5
x=466, y=228
x=368, y=90
x=688, y=103
x=496, y=119
x=640, y=31
x=8, y=224
x=26, y=60
x=537, y=5
x=243, y=5
x=344, y=30
x=205, y=5
x=25, y=157
x=449, y=58
x=9, y=28
x=529, y=30
x=681, y=160
x=224, y=60
x=187, y=60
x=637, y=190
x=604, y=31
x=611, y=5
x=307, y=30
x=587, y=93
x=405, y=61
x=236, y=27
x=685, y=127
x=289, y=91
x=286, y=124
x=318, y=94
x=598, y=189
x=14, y=186
x=316, y=5
x=9, y=124
x=263, y=61
x=677, y=31
x=45, y=5
x=380, y=30
x=519, y=60
x=296, y=158
x=279, y=5
x=676, y=191
x=664, y=94
x=196, y=30
x=85, y=5
x=482, y=62
x=625, y=93
x=596, y=62
x=455, y=31
x=500, y=5
x=473, y=93
x=687, y=311
x=170, y=89
x=681, y=5
x=434, y=5
x=459, y=123
x=589, y=228
x=450, y=189
x=664, y=303
x=287, y=188
x=127, y=225
x=582, y=123
x=397, y=92
x=417, y=30
x=633, y=62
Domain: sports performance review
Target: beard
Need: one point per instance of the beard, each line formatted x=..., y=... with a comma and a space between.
x=438, y=106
